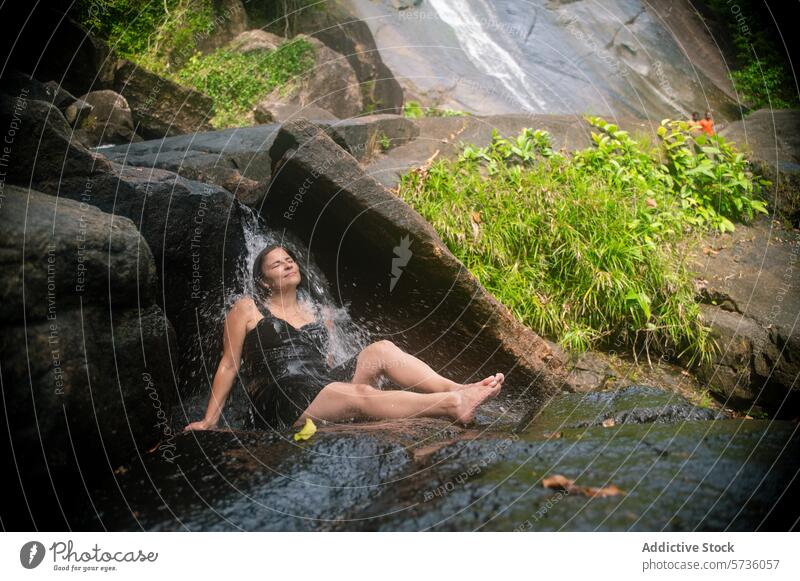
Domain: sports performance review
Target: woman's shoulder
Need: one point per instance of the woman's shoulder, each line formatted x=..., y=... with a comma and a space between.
x=244, y=308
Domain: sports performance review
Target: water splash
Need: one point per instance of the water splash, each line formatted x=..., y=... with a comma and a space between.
x=346, y=339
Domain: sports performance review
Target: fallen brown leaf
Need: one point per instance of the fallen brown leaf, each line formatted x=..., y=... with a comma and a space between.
x=557, y=482
x=553, y=435
x=476, y=217
x=609, y=423
x=561, y=482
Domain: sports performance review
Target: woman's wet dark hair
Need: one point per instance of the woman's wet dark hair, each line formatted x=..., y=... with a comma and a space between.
x=258, y=288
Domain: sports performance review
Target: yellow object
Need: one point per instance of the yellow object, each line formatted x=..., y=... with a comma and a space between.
x=306, y=431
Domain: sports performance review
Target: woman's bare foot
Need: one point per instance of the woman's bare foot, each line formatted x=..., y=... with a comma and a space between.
x=491, y=381
x=470, y=399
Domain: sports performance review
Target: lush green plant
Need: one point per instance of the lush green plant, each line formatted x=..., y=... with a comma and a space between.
x=706, y=174
x=765, y=84
x=589, y=247
x=414, y=110
x=235, y=81
x=761, y=72
x=148, y=33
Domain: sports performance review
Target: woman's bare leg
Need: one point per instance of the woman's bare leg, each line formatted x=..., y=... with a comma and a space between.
x=384, y=357
x=340, y=401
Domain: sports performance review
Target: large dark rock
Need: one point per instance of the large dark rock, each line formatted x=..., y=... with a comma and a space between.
x=84, y=259
x=229, y=20
x=365, y=136
x=84, y=353
x=108, y=120
x=389, y=262
x=330, y=84
x=42, y=148
x=15, y=83
x=346, y=34
x=161, y=107
x=44, y=42
x=194, y=230
x=236, y=159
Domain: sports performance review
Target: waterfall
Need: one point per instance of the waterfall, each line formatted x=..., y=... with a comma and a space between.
x=491, y=58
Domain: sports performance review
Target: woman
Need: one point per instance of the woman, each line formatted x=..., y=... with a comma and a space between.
x=283, y=345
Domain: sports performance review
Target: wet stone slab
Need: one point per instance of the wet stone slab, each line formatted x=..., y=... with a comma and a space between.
x=679, y=467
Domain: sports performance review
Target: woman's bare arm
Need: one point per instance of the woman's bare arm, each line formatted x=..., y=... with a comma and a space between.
x=233, y=335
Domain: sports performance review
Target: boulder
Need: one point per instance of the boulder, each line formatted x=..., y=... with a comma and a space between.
x=43, y=147
x=194, y=230
x=364, y=136
x=84, y=259
x=236, y=159
x=276, y=112
x=108, y=120
x=16, y=83
x=330, y=84
x=230, y=20
x=77, y=111
x=767, y=135
x=346, y=34
x=161, y=107
x=49, y=45
x=390, y=264
x=84, y=353
x=251, y=40
x=196, y=233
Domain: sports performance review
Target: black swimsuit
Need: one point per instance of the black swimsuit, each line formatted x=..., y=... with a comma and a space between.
x=285, y=368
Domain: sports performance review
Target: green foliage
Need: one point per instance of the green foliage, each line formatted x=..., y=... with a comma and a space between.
x=589, y=247
x=413, y=110
x=162, y=36
x=765, y=84
x=148, y=33
x=705, y=174
x=761, y=73
x=235, y=81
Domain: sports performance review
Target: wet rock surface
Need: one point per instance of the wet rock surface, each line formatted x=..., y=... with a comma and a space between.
x=748, y=280
x=554, y=57
x=680, y=468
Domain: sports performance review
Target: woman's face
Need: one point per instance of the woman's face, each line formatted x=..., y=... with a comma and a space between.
x=280, y=270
